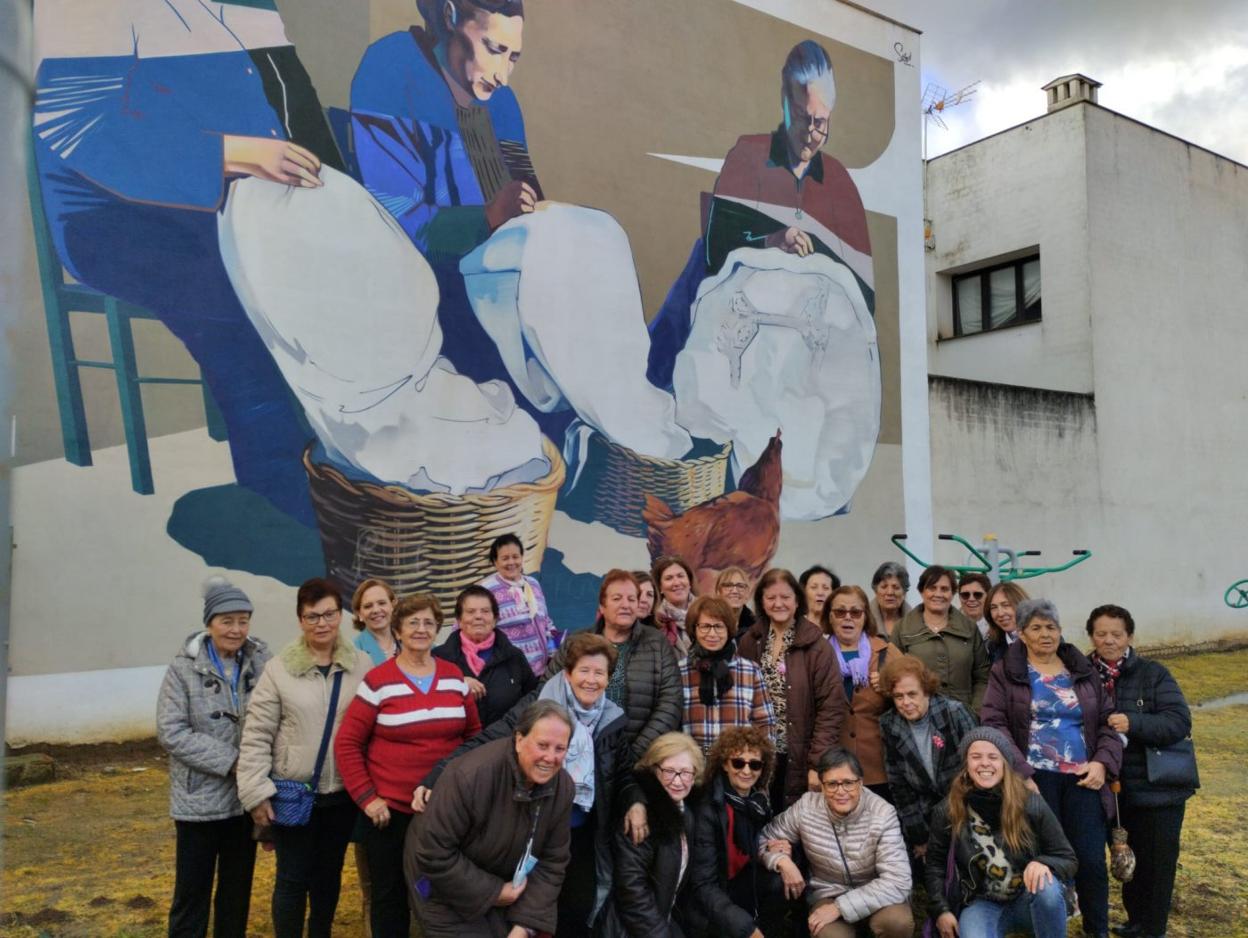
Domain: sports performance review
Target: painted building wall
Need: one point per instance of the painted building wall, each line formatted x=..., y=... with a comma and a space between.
x=1138, y=236
x=627, y=124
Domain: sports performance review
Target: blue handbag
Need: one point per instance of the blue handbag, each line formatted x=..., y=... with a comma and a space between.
x=293, y=801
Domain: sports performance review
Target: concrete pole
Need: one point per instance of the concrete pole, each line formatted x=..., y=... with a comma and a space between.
x=16, y=91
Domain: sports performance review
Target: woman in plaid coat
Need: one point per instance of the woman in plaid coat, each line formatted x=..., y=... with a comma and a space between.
x=720, y=688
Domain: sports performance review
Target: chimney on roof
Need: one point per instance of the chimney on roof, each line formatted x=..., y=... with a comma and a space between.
x=1071, y=89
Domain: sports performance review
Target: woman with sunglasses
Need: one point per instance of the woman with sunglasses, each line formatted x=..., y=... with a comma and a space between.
x=738, y=895
x=721, y=689
x=650, y=887
x=861, y=654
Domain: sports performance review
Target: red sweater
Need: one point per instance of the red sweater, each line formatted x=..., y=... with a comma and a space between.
x=392, y=734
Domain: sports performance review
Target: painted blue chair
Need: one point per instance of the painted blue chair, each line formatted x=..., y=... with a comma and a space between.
x=59, y=300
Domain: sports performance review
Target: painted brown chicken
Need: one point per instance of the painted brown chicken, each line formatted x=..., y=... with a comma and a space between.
x=739, y=529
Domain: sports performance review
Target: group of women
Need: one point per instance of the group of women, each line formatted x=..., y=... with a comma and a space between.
x=686, y=766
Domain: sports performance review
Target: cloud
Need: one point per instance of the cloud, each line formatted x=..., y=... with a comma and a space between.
x=1182, y=68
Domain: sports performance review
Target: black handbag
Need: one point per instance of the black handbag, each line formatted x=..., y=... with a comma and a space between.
x=1172, y=766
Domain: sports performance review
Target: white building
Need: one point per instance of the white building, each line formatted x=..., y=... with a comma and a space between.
x=1087, y=337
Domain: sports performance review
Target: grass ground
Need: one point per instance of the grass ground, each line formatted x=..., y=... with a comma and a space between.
x=91, y=855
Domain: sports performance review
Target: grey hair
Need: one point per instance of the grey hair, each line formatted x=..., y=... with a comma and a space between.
x=540, y=710
x=891, y=568
x=836, y=757
x=807, y=64
x=1030, y=609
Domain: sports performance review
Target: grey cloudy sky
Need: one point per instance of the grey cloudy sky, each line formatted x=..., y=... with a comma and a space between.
x=1181, y=66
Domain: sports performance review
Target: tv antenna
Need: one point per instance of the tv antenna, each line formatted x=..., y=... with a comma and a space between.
x=937, y=100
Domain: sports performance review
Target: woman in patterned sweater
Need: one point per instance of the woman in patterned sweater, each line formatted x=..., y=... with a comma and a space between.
x=1008, y=850
x=407, y=714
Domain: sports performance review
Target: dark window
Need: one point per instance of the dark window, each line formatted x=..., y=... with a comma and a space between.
x=996, y=297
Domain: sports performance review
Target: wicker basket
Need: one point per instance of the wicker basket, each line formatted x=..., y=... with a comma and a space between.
x=615, y=481
x=426, y=542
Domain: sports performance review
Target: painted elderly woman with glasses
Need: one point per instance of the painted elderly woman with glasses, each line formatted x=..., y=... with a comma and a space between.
x=861, y=654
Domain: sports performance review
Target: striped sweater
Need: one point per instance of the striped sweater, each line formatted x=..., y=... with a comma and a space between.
x=392, y=734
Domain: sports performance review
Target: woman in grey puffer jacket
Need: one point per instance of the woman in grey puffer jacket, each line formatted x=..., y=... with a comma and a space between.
x=199, y=723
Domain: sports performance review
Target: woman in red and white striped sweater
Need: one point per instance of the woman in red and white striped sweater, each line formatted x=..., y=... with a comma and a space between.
x=408, y=713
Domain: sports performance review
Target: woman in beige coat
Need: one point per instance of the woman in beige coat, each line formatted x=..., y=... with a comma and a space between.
x=281, y=738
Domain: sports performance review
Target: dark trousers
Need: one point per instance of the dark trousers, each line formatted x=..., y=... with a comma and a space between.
x=580, y=884
x=390, y=916
x=775, y=791
x=1083, y=822
x=205, y=848
x=309, y=869
x=1153, y=834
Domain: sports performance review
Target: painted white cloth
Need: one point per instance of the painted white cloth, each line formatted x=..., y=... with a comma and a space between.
x=785, y=342
x=557, y=292
x=348, y=309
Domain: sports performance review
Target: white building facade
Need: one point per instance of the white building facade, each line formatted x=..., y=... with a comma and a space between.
x=1086, y=327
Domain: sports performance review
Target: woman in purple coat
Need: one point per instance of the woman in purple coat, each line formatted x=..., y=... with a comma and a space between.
x=1045, y=694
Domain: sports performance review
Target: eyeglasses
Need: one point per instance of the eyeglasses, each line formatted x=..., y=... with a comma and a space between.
x=735, y=587
x=754, y=765
x=815, y=125
x=712, y=627
x=316, y=618
x=971, y=594
x=855, y=613
x=670, y=775
x=842, y=786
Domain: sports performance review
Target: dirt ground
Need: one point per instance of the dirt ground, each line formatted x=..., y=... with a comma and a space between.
x=91, y=854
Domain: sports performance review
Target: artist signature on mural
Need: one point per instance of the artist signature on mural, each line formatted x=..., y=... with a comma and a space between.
x=903, y=56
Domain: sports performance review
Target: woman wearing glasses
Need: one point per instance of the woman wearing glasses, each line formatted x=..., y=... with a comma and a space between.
x=860, y=653
x=738, y=895
x=294, y=713
x=721, y=689
x=733, y=587
x=406, y=715
x=651, y=877
x=859, y=874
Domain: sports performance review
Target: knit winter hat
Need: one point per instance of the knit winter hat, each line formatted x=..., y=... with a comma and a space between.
x=987, y=734
x=221, y=596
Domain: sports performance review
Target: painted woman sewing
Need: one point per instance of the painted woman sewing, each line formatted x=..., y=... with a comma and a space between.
x=440, y=143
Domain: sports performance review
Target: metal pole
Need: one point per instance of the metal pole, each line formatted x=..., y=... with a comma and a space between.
x=16, y=89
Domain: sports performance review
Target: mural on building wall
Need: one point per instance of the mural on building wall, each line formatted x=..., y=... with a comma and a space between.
x=415, y=346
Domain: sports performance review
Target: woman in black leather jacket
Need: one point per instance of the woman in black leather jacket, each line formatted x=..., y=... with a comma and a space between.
x=739, y=897
x=649, y=892
x=1147, y=708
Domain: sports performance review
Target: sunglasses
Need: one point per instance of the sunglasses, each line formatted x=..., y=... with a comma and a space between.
x=972, y=595
x=754, y=765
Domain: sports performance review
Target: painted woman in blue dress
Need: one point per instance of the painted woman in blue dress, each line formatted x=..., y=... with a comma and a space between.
x=146, y=112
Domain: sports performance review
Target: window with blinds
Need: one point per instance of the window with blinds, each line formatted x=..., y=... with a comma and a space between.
x=997, y=297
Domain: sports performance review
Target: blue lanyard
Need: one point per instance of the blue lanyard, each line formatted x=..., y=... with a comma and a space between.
x=238, y=670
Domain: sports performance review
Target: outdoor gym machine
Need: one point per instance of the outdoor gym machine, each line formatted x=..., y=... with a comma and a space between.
x=1000, y=563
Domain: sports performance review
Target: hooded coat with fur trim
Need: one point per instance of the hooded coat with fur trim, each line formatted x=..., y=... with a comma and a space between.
x=286, y=718
x=199, y=725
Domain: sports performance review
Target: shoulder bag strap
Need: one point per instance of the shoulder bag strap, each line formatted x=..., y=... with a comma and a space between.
x=329, y=730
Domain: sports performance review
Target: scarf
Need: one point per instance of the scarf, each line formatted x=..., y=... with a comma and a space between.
x=472, y=650
x=1109, y=671
x=859, y=668
x=579, y=762
x=714, y=674
x=750, y=814
x=671, y=620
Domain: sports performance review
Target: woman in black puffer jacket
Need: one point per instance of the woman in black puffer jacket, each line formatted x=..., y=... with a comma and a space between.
x=1148, y=709
x=649, y=893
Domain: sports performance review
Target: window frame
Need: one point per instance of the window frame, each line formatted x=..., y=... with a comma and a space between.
x=984, y=274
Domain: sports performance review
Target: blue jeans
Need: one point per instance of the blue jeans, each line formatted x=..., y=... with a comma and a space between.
x=1042, y=915
x=1083, y=822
